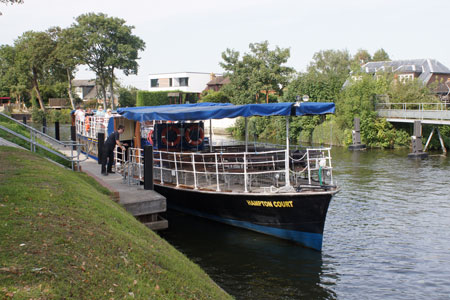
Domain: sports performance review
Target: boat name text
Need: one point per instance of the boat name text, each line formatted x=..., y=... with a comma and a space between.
x=270, y=203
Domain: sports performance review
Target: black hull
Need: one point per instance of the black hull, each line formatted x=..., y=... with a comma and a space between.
x=299, y=217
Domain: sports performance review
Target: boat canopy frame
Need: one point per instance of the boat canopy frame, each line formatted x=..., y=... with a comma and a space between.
x=211, y=111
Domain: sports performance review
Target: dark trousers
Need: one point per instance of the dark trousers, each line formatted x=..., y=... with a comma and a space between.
x=108, y=158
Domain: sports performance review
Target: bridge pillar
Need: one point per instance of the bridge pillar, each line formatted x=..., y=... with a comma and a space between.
x=356, y=137
x=416, y=142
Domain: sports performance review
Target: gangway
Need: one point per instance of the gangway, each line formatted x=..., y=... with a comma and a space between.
x=427, y=113
x=71, y=147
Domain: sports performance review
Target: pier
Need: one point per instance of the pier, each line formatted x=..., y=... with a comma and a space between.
x=145, y=205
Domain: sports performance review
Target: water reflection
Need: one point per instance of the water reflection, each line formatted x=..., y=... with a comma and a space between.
x=386, y=237
x=249, y=265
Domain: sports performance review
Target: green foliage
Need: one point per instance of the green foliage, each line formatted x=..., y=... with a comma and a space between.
x=356, y=99
x=328, y=132
x=257, y=73
x=61, y=116
x=379, y=133
x=127, y=97
x=38, y=115
x=380, y=55
x=214, y=96
x=108, y=44
x=146, y=98
x=411, y=91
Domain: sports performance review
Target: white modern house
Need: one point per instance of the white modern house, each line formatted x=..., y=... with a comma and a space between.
x=188, y=82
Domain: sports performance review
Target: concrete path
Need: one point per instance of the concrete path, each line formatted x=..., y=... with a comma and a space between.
x=143, y=204
x=4, y=142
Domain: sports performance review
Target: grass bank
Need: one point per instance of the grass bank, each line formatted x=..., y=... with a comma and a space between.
x=62, y=237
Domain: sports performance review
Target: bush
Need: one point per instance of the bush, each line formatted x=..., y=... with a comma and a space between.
x=146, y=98
x=214, y=96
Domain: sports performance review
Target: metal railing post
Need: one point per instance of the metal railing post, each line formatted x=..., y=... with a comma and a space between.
x=217, y=173
x=148, y=168
x=245, y=173
x=161, y=166
x=176, y=167
x=195, y=174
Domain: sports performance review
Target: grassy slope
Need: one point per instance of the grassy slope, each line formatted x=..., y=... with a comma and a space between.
x=61, y=236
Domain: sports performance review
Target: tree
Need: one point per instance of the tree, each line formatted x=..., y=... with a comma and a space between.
x=214, y=96
x=361, y=57
x=127, y=96
x=68, y=53
x=108, y=45
x=257, y=73
x=332, y=63
x=34, y=56
x=10, y=2
x=380, y=55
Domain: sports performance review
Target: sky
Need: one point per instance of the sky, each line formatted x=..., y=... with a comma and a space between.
x=190, y=36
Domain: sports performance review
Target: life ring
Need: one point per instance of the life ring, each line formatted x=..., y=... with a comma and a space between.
x=164, y=136
x=87, y=123
x=149, y=137
x=201, y=135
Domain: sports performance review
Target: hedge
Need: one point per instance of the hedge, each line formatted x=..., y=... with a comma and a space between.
x=146, y=98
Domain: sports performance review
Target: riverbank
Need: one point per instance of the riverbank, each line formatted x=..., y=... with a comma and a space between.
x=63, y=237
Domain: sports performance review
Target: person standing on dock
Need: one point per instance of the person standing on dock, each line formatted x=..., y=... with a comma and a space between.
x=108, y=149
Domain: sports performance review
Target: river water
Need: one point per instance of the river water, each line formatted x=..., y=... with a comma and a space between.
x=387, y=236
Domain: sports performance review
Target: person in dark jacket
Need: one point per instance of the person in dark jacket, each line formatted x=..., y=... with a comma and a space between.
x=108, y=149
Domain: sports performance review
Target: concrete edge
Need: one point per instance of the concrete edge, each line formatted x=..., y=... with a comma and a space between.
x=115, y=194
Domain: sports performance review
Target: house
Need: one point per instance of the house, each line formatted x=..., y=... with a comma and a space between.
x=85, y=89
x=217, y=82
x=428, y=71
x=190, y=83
x=88, y=90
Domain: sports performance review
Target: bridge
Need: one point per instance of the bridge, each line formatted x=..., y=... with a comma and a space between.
x=426, y=113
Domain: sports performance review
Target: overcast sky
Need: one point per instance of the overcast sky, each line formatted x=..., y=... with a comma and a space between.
x=191, y=35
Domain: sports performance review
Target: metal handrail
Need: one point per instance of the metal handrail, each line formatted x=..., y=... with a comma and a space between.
x=405, y=106
x=34, y=143
x=62, y=143
x=213, y=165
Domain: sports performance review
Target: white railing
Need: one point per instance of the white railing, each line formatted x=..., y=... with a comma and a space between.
x=90, y=126
x=413, y=106
x=232, y=172
x=414, y=111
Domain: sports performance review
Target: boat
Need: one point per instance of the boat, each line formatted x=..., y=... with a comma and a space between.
x=279, y=190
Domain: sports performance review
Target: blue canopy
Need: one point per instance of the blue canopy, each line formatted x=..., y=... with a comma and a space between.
x=207, y=111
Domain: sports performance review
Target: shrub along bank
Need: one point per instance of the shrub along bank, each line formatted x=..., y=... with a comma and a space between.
x=62, y=237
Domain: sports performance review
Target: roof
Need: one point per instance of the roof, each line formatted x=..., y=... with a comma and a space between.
x=406, y=66
x=219, y=80
x=208, y=111
x=425, y=68
x=79, y=83
x=92, y=94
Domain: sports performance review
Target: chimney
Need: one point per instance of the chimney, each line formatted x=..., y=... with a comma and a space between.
x=212, y=76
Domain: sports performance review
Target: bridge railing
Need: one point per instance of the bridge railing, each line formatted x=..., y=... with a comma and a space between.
x=419, y=111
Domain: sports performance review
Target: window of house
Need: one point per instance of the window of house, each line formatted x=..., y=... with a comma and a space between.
x=170, y=81
x=405, y=77
x=184, y=81
x=154, y=83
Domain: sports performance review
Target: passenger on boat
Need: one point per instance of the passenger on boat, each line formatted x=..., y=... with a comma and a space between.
x=100, y=112
x=79, y=114
x=108, y=149
x=108, y=115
